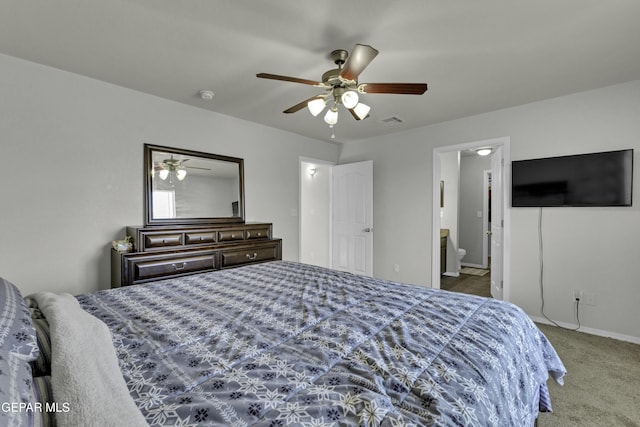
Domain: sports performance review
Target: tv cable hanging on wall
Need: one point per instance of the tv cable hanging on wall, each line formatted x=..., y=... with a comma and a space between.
x=541, y=256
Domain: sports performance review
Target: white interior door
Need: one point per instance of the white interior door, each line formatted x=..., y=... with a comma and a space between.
x=352, y=217
x=497, y=223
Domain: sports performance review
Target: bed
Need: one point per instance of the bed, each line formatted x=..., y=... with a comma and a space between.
x=284, y=344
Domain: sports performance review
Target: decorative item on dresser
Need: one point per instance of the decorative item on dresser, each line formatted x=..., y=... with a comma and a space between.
x=194, y=224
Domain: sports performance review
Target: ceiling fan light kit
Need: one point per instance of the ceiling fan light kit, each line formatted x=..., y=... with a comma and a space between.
x=349, y=99
x=316, y=106
x=361, y=110
x=341, y=86
x=181, y=174
x=331, y=118
x=172, y=167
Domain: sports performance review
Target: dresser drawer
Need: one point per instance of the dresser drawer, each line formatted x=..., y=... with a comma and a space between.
x=257, y=233
x=142, y=268
x=230, y=235
x=249, y=255
x=162, y=240
x=199, y=238
x=151, y=269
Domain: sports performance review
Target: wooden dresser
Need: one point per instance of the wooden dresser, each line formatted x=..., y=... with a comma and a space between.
x=168, y=251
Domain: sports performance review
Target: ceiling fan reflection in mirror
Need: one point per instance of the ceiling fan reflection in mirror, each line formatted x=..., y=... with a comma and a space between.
x=341, y=86
x=168, y=168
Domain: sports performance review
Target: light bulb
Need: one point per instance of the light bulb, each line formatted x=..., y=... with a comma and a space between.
x=331, y=118
x=163, y=174
x=483, y=151
x=316, y=106
x=349, y=99
x=361, y=110
x=181, y=173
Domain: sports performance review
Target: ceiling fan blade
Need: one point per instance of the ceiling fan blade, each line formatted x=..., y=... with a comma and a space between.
x=301, y=105
x=360, y=57
x=288, y=79
x=398, y=88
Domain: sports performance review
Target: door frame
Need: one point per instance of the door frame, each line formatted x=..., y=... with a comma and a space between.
x=505, y=143
x=486, y=203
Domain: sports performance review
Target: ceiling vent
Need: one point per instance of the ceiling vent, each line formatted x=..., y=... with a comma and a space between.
x=391, y=120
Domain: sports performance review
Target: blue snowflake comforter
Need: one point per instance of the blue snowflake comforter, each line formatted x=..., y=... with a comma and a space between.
x=287, y=344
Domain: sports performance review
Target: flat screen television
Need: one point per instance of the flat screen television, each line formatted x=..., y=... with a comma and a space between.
x=594, y=179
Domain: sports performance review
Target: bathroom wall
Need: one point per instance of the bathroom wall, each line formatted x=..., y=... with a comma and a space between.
x=471, y=230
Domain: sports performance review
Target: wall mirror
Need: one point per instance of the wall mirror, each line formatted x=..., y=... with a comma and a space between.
x=184, y=187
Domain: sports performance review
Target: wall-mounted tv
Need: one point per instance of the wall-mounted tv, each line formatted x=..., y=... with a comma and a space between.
x=594, y=179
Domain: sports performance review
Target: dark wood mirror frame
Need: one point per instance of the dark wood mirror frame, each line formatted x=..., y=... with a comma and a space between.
x=149, y=169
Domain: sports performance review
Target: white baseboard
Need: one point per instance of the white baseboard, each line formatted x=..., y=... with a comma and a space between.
x=451, y=274
x=587, y=330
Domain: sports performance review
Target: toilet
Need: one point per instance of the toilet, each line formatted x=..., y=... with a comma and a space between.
x=461, y=254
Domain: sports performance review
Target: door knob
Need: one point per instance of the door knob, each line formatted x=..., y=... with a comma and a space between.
x=368, y=230
x=488, y=232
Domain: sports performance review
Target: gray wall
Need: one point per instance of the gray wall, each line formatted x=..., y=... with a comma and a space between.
x=471, y=201
x=596, y=249
x=71, y=175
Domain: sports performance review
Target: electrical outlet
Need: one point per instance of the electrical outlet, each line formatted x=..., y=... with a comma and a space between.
x=396, y=268
x=589, y=298
x=577, y=296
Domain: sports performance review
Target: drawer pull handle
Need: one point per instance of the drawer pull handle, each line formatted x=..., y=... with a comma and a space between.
x=259, y=234
x=233, y=236
x=181, y=267
x=254, y=256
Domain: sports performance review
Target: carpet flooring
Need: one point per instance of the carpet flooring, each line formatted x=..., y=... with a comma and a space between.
x=602, y=386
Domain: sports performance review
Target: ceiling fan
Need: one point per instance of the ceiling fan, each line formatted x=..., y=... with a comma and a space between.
x=341, y=85
x=173, y=166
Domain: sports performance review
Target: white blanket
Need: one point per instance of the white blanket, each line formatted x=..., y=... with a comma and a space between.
x=84, y=367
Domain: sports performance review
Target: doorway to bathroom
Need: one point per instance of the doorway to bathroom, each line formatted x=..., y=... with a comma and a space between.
x=474, y=214
x=487, y=217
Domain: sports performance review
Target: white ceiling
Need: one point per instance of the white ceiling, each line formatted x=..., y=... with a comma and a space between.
x=475, y=55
